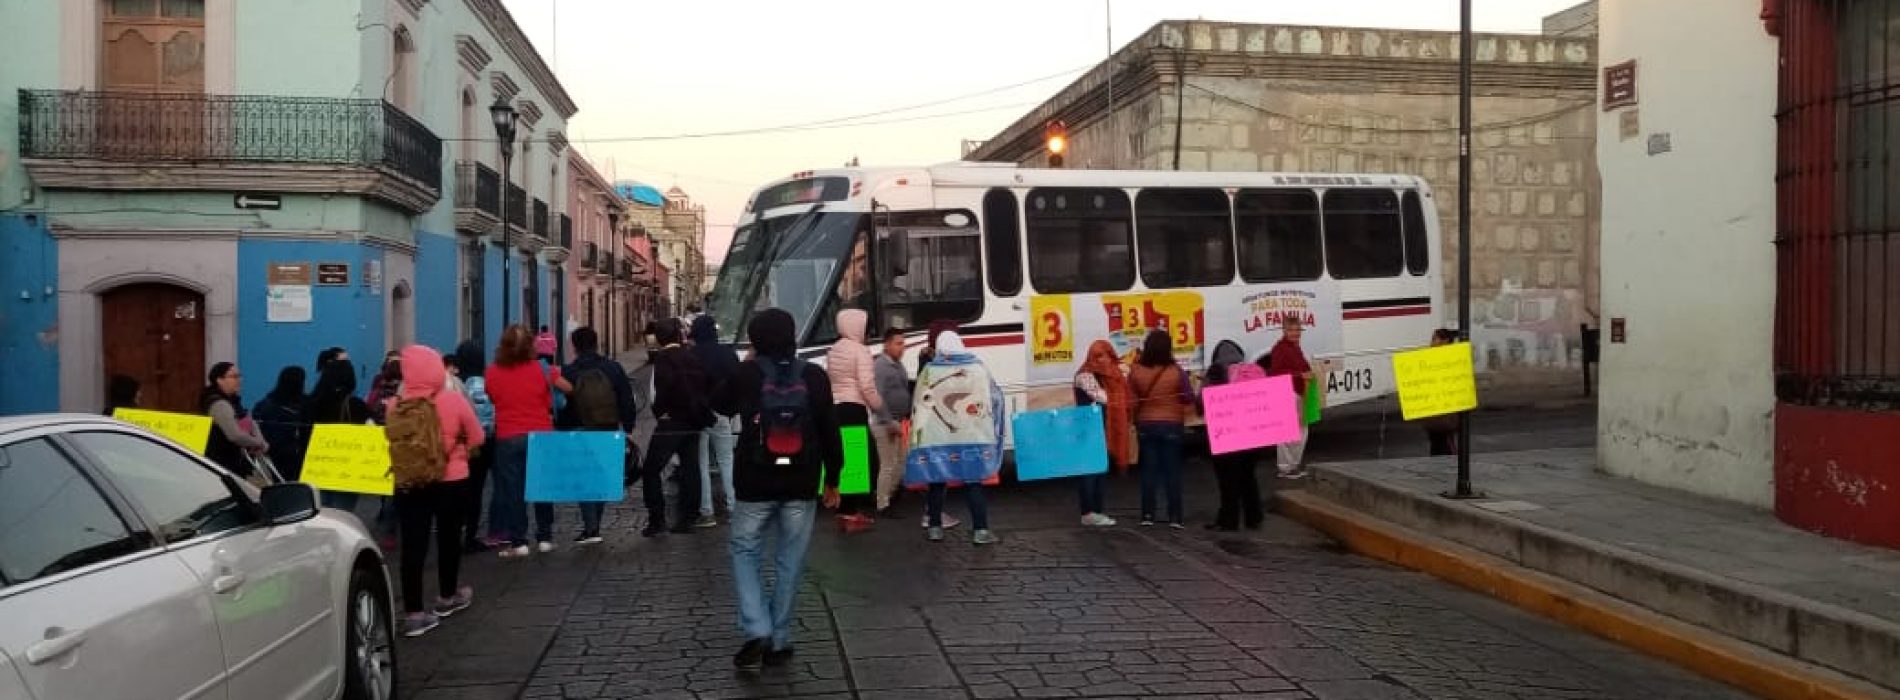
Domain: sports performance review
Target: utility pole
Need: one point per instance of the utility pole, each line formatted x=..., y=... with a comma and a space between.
x=1463, y=489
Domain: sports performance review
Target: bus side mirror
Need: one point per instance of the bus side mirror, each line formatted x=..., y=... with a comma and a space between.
x=894, y=252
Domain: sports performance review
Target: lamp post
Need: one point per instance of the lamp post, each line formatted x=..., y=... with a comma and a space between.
x=1462, y=489
x=504, y=115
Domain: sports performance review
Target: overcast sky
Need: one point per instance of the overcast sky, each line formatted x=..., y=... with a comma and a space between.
x=643, y=69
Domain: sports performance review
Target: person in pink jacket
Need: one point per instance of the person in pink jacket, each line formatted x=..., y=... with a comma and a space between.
x=437, y=506
x=853, y=374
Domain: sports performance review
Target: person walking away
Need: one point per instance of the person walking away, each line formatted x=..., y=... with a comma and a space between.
x=469, y=365
x=1162, y=395
x=1101, y=382
x=1287, y=358
x=602, y=400
x=854, y=387
x=1441, y=432
x=234, y=440
x=887, y=425
x=789, y=444
x=524, y=403
x=681, y=393
x=546, y=345
x=715, y=443
x=1234, y=471
x=430, y=430
x=334, y=401
x=280, y=420
x=122, y=392
x=956, y=435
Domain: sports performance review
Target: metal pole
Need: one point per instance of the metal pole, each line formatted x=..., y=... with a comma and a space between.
x=1463, y=489
x=1108, y=118
x=507, y=237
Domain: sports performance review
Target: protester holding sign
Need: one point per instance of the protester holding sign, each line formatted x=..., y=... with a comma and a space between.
x=429, y=492
x=233, y=439
x=1101, y=382
x=602, y=400
x=524, y=403
x=334, y=401
x=1287, y=358
x=1162, y=395
x=853, y=376
x=1441, y=432
x=1234, y=471
x=956, y=434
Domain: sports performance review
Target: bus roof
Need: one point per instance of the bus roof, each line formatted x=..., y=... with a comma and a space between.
x=1010, y=175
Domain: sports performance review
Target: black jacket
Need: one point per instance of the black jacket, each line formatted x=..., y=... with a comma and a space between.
x=679, y=384
x=754, y=481
x=616, y=375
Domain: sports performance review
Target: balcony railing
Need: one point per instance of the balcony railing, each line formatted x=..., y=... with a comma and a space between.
x=567, y=232
x=517, y=206
x=626, y=268
x=590, y=256
x=60, y=124
x=478, y=187
x=540, y=228
x=607, y=263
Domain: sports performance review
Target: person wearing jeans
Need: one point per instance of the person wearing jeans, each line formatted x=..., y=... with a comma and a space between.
x=588, y=366
x=765, y=615
x=720, y=361
x=972, y=497
x=507, y=509
x=523, y=394
x=1162, y=394
x=1101, y=382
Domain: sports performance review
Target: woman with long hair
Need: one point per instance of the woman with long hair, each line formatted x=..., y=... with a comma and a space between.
x=1101, y=382
x=233, y=438
x=523, y=393
x=1162, y=395
x=281, y=421
x=334, y=401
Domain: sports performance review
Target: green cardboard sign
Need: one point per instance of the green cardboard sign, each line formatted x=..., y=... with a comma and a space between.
x=1310, y=404
x=857, y=462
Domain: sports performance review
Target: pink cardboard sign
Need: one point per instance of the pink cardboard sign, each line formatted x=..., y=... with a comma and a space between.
x=1252, y=414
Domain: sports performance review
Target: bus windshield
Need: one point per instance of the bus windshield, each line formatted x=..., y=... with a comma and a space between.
x=790, y=262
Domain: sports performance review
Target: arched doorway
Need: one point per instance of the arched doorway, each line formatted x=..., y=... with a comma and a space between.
x=155, y=333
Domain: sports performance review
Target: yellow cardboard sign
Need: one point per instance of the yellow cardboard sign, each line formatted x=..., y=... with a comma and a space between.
x=350, y=458
x=182, y=428
x=1052, y=330
x=1435, y=381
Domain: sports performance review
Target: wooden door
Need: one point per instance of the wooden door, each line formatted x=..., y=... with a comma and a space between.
x=155, y=333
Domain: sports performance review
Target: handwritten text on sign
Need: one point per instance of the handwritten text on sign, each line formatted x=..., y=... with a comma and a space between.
x=185, y=429
x=1435, y=381
x=1251, y=414
x=1060, y=442
x=583, y=466
x=349, y=458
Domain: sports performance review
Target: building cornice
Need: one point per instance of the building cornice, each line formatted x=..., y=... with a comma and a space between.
x=414, y=7
x=505, y=87
x=557, y=142
x=310, y=178
x=530, y=112
x=473, y=57
x=502, y=26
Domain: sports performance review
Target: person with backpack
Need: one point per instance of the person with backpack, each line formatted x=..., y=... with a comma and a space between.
x=1100, y=382
x=1234, y=471
x=956, y=435
x=1162, y=395
x=602, y=400
x=430, y=431
x=523, y=392
x=788, y=448
x=681, y=403
x=1286, y=357
x=715, y=443
x=853, y=376
x=468, y=364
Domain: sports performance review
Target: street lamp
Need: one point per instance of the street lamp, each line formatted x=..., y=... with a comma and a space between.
x=504, y=115
x=1462, y=489
x=613, y=275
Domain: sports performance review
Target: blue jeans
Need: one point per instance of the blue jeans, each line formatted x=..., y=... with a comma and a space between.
x=508, y=510
x=1091, y=491
x=1160, y=467
x=768, y=614
x=972, y=495
x=715, y=451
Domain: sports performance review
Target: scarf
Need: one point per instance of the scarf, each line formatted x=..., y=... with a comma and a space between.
x=1118, y=415
x=957, y=425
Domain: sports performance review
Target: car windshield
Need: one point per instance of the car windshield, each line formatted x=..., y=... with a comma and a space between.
x=790, y=262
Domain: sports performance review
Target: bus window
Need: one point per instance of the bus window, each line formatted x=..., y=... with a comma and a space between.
x=1278, y=235
x=1362, y=234
x=1002, y=235
x=943, y=276
x=1079, y=240
x=1418, y=253
x=1185, y=238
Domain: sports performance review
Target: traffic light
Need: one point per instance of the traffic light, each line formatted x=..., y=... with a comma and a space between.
x=1056, y=137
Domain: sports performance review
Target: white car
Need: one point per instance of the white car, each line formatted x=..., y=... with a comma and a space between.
x=132, y=568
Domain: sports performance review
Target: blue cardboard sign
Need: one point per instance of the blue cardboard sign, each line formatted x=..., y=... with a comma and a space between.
x=1060, y=443
x=579, y=466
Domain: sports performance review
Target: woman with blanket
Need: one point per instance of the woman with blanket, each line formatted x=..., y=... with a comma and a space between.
x=956, y=434
x=1101, y=382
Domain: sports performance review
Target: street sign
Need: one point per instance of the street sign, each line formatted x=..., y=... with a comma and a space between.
x=333, y=274
x=258, y=201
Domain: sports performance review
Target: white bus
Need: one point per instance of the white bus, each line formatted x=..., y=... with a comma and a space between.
x=1034, y=265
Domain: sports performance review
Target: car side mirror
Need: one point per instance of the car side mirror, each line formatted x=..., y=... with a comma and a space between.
x=286, y=504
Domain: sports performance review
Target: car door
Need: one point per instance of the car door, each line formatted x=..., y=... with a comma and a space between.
x=86, y=594
x=269, y=586
x=12, y=686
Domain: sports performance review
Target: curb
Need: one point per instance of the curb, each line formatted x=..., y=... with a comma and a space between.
x=1711, y=654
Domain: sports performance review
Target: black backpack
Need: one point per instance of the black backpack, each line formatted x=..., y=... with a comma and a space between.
x=784, y=413
x=594, y=402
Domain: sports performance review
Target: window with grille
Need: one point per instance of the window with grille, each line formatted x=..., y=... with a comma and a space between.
x=153, y=45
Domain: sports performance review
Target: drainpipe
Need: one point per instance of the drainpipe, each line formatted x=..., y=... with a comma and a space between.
x=1180, y=97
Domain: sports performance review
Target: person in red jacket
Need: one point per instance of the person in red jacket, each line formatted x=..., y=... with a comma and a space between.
x=1287, y=358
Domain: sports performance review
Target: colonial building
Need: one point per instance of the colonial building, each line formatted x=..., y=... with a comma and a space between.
x=1751, y=265
x=600, y=278
x=646, y=217
x=191, y=181
x=1193, y=95
x=682, y=246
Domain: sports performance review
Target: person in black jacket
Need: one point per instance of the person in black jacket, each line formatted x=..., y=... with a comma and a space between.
x=280, y=418
x=587, y=359
x=334, y=401
x=775, y=499
x=715, y=442
x=680, y=392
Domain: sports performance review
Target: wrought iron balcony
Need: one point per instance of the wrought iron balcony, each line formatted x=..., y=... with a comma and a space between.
x=89, y=140
x=626, y=268
x=607, y=263
x=517, y=207
x=590, y=257
x=477, y=198
x=540, y=228
x=567, y=232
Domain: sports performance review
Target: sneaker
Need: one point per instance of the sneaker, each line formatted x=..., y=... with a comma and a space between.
x=1178, y=525
x=1147, y=521
x=1097, y=520
x=948, y=522
x=586, y=538
x=706, y=521
x=464, y=597
x=544, y=547
x=751, y=655
x=778, y=657
x=983, y=537
x=519, y=551
x=1292, y=473
x=934, y=534
x=418, y=624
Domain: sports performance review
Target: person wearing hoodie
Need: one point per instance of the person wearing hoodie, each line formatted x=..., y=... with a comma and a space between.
x=435, y=506
x=590, y=366
x=853, y=377
x=334, y=401
x=680, y=395
x=469, y=364
x=887, y=426
x=715, y=443
x=774, y=496
x=280, y=420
